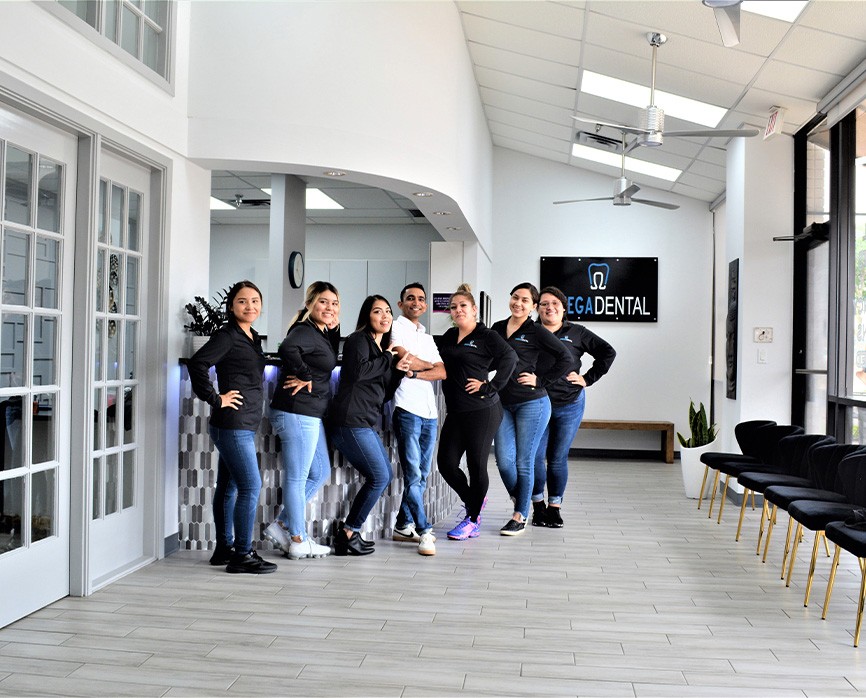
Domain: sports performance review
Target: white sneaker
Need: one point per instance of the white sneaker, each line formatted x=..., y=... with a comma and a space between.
x=427, y=546
x=306, y=548
x=277, y=535
x=408, y=534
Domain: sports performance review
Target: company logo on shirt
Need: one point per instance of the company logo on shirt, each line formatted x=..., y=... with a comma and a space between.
x=566, y=338
x=470, y=343
x=521, y=338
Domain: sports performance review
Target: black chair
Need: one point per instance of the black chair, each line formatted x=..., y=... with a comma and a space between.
x=853, y=539
x=744, y=433
x=791, y=455
x=768, y=439
x=816, y=515
x=823, y=471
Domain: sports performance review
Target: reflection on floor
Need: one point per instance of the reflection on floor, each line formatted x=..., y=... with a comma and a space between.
x=639, y=595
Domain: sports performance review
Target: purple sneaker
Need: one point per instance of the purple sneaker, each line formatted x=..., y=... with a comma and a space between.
x=465, y=529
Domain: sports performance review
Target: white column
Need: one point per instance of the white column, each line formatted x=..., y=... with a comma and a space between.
x=287, y=235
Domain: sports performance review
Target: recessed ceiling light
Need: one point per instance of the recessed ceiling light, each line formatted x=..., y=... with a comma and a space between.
x=218, y=205
x=267, y=190
x=334, y=173
x=786, y=10
x=650, y=169
x=422, y=194
x=317, y=199
x=441, y=213
x=639, y=96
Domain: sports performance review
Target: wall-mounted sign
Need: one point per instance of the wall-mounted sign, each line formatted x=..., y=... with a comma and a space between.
x=606, y=289
x=441, y=303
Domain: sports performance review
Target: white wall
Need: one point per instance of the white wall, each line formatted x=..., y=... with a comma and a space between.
x=659, y=366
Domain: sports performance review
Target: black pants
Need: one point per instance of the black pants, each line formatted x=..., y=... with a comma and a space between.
x=470, y=433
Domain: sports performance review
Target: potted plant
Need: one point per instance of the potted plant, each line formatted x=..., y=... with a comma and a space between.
x=206, y=317
x=702, y=438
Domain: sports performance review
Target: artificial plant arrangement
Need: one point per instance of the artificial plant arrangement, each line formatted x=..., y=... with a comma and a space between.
x=206, y=317
x=702, y=432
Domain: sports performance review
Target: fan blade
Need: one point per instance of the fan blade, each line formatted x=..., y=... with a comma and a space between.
x=728, y=19
x=577, y=201
x=716, y=133
x=629, y=191
x=657, y=204
x=635, y=130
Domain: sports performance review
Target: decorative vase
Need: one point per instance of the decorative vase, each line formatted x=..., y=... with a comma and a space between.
x=693, y=469
x=196, y=342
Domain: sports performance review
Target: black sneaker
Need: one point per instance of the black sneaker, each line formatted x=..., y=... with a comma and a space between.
x=512, y=528
x=554, y=518
x=221, y=555
x=539, y=514
x=250, y=563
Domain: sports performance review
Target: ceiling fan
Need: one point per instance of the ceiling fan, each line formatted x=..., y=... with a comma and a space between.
x=624, y=191
x=651, y=131
x=240, y=202
x=727, y=14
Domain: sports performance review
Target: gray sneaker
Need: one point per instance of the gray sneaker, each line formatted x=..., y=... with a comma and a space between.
x=407, y=534
x=277, y=535
x=307, y=548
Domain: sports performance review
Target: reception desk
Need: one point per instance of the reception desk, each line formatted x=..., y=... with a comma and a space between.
x=197, y=466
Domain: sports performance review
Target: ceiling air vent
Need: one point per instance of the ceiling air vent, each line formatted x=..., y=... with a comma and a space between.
x=596, y=140
x=415, y=213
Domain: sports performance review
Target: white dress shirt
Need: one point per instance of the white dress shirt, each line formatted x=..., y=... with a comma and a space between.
x=415, y=396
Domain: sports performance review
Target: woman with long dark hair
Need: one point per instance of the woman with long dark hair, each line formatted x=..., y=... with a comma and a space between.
x=525, y=405
x=470, y=352
x=567, y=400
x=368, y=378
x=308, y=354
x=235, y=349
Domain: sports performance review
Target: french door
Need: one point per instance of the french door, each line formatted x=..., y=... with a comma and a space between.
x=37, y=214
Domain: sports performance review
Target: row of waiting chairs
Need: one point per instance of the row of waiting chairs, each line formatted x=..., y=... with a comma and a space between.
x=820, y=483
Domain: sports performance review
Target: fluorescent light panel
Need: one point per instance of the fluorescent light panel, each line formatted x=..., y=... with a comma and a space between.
x=786, y=10
x=217, y=205
x=316, y=199
x=643, y=167
x=639, y=96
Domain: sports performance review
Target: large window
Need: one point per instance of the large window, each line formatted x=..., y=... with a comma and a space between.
x=139, y=27
x=856, y=378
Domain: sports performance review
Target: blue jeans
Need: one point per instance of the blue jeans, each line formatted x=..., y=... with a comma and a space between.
x=224, y=497
x=306, y=466
x=416, y=437
x=237, y=449
x=364, y=450
x=554, y=446
x=515, y=446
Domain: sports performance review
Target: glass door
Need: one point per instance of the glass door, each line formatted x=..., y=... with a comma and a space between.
x=37, y=172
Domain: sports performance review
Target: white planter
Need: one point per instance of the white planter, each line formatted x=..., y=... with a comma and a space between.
x=196, y=342
x=693, y=469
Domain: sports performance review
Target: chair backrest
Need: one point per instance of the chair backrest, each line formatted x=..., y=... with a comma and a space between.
x=852, y=477
x=745, y=432
x=791, y=452
x=768, y=437
x=824, y=464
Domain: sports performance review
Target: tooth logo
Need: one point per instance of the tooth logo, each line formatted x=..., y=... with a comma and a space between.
x=598, y=274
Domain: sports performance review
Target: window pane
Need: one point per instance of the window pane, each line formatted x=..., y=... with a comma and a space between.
x=97, y=488
x=48, y=201
x=100, y=280
x=47, y=272
x=116, y=216
x=156, y=10
x=130, y=351
x=112, y=482
x=97, y=352
x=11, y=511
x=44, y=428
x=132, y=285
x=12, y=454
x=111, y=418
x=153, y=49
x=857, y=384
x=42, y=504
x=129, y=411
x=17, y=194
x=97, y=419
x=100, y=214
x=112, y=357
x=134, y=220
x=129, y=29
x=128, y=479
x=44, y=350
x=13, y=340
x=16, y=248
x=114, y=270
x=88, y=10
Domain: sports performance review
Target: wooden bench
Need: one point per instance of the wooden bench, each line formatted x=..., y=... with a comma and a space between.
x=666, y=428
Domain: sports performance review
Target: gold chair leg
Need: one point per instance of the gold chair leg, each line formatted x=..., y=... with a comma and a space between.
x=742, y=514
x=724, y=497
x=761, y=527
x=818, y=536
x=715, y=490
x=787, y=546
x=770, y=527
x=862, y=597
x=830, y=581
x=794, y=547
x=703, y=484
x=753, y=500
x=826, y=547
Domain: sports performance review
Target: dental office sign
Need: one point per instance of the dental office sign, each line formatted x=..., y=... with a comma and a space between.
x=606, y=289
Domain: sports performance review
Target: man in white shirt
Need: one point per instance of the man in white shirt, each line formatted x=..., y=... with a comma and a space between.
x=415, y=416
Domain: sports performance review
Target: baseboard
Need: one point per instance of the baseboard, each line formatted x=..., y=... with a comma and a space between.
x=618, y=453
x=171, y=545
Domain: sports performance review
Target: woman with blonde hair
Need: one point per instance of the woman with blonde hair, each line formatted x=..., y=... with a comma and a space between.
x=308, y=354
x=470, y=353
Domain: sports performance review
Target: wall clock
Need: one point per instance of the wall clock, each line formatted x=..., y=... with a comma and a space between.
x=296, y=269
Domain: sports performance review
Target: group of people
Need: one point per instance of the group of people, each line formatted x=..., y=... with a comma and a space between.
x=518, y=382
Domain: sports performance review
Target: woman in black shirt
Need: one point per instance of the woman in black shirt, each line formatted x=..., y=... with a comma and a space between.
x=470, y=353
x=235, y=349
x=367, y=381
x=526, y=407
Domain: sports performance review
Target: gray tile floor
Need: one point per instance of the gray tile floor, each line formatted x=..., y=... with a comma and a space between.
x=639, y=595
